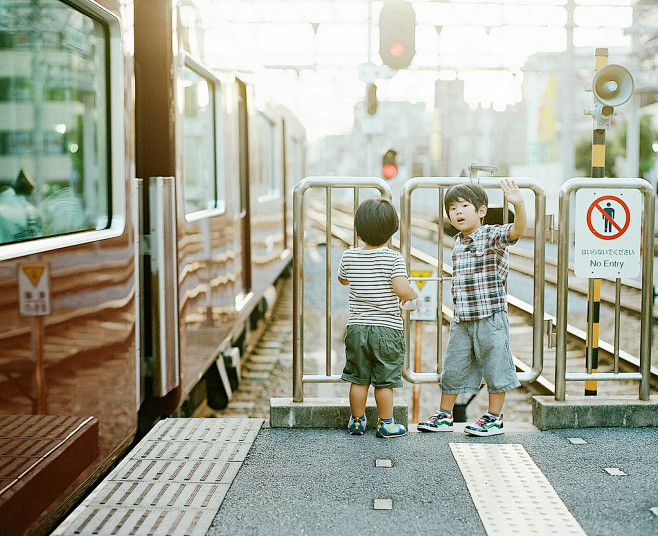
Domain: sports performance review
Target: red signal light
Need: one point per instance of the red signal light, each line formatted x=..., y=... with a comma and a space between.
x=397, y=50
x=389, y=171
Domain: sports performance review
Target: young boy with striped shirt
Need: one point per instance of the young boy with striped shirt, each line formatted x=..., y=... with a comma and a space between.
x=374, y=341
x=479, y=331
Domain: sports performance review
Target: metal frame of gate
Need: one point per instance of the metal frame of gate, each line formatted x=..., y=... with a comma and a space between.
x=539, y=260
x=299, y=378
x=644, y=376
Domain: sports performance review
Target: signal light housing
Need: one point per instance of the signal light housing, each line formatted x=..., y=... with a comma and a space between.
x=397, y=33
x=389, y=163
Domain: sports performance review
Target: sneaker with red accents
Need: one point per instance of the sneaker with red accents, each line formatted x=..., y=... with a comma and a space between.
x=439, y=422
x=487, y=425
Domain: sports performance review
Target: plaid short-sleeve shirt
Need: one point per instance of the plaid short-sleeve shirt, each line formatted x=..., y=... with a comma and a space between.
x=480, y=266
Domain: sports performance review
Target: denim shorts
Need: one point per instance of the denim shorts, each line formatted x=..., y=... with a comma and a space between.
x=479, y=349
x=374, y=356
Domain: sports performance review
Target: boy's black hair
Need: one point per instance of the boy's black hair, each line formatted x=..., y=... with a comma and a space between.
x=471, y=192
x=376, y=221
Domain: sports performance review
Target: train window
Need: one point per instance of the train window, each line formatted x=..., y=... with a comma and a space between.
x=266, y=184
x=202, y=188
x=54, y=156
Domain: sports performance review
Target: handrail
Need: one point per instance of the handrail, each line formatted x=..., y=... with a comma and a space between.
x=539, y=255
x=644, y=376
x=298, y=271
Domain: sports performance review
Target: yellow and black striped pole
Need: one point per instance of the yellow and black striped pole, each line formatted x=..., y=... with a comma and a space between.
x=594, y=287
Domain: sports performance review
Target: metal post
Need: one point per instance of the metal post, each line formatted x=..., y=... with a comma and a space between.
x=298, y=294
x=562, y=295
x=327, y=280
x=418, y=343
x=647, y=293
x=594, y=289
x=439, y=286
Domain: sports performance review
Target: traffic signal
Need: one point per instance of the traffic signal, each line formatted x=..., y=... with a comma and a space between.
x=397, y=33
x=372, y=99
x=389, y=164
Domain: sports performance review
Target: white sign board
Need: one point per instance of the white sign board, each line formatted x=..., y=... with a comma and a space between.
x=34, y=289
x=608, y=233
x=427, y=291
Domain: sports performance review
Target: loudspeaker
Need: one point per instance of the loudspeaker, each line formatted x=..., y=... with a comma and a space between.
x=612, y=85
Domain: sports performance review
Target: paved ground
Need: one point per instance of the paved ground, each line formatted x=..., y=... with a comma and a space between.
x=325, y=482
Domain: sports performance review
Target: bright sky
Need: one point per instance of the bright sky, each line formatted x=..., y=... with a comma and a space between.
x=309, y=52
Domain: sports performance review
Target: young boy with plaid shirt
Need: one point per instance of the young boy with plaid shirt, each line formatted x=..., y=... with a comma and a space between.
x=479, y=332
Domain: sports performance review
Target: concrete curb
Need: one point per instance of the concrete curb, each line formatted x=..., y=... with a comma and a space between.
x=325, y=413
x=590, y=412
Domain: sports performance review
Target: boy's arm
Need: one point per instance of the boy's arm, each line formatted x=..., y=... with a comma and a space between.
x=403, y=289
x=343, y=281
x=514, y=196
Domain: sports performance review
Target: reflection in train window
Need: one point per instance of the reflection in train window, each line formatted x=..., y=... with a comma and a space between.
x=202, y=190
x=54, y=161
x=266, y=182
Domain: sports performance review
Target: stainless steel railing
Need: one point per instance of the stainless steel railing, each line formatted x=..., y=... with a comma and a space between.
x=539, y=261
x=328, y=183
x=644, y=374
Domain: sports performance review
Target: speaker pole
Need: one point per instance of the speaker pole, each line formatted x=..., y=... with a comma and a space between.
x=594, y=287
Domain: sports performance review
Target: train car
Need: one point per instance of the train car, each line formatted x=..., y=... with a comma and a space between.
x=144, y=216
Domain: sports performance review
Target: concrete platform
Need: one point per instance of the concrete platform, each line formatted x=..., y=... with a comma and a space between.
x=593, y=412
x=325, y=412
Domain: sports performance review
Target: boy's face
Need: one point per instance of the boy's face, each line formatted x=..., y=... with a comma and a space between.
x=465, y=217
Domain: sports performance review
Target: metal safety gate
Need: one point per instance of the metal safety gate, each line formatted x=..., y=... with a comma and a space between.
x=606, y=191
x=328, y=183
x=441, y=183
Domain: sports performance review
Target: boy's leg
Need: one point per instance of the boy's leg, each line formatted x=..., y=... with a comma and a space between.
x=358, y=398
x=448, y=401
x=384, y=399
x=496, y=401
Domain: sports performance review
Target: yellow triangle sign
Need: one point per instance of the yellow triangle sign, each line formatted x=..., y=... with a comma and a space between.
x=421, y=273
x=34, y=272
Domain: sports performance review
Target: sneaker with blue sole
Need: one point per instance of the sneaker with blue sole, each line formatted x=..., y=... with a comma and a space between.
x=392, y=429
x=357, y=425
x=439, y=422
x=487, y=425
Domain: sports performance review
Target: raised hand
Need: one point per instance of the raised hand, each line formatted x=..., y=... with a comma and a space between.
x=511, y=190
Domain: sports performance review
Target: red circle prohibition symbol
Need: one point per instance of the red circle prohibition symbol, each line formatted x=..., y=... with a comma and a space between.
x=620, y=230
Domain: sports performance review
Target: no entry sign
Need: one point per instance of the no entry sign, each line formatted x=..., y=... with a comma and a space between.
x=608, y=228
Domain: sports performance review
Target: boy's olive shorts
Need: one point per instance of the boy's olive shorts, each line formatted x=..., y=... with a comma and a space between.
x=374, y=356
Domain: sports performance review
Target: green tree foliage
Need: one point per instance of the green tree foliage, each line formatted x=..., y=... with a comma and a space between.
x=615, y=146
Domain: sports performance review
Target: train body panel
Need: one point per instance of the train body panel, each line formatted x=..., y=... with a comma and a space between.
x=125, y=272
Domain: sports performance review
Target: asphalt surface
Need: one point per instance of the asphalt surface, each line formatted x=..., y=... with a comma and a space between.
x=325, y=482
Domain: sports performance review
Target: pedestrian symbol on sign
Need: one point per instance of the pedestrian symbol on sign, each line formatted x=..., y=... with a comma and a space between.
x=613, y=226
x=609, y=217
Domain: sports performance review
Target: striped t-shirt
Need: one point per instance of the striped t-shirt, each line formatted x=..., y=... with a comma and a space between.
x=372, y=300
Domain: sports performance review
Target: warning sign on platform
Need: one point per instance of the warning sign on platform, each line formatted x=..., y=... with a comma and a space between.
x=427, y=291
x=608, y=233
x=34, y=289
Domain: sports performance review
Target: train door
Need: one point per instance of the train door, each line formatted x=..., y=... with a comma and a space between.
x=245, y=214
